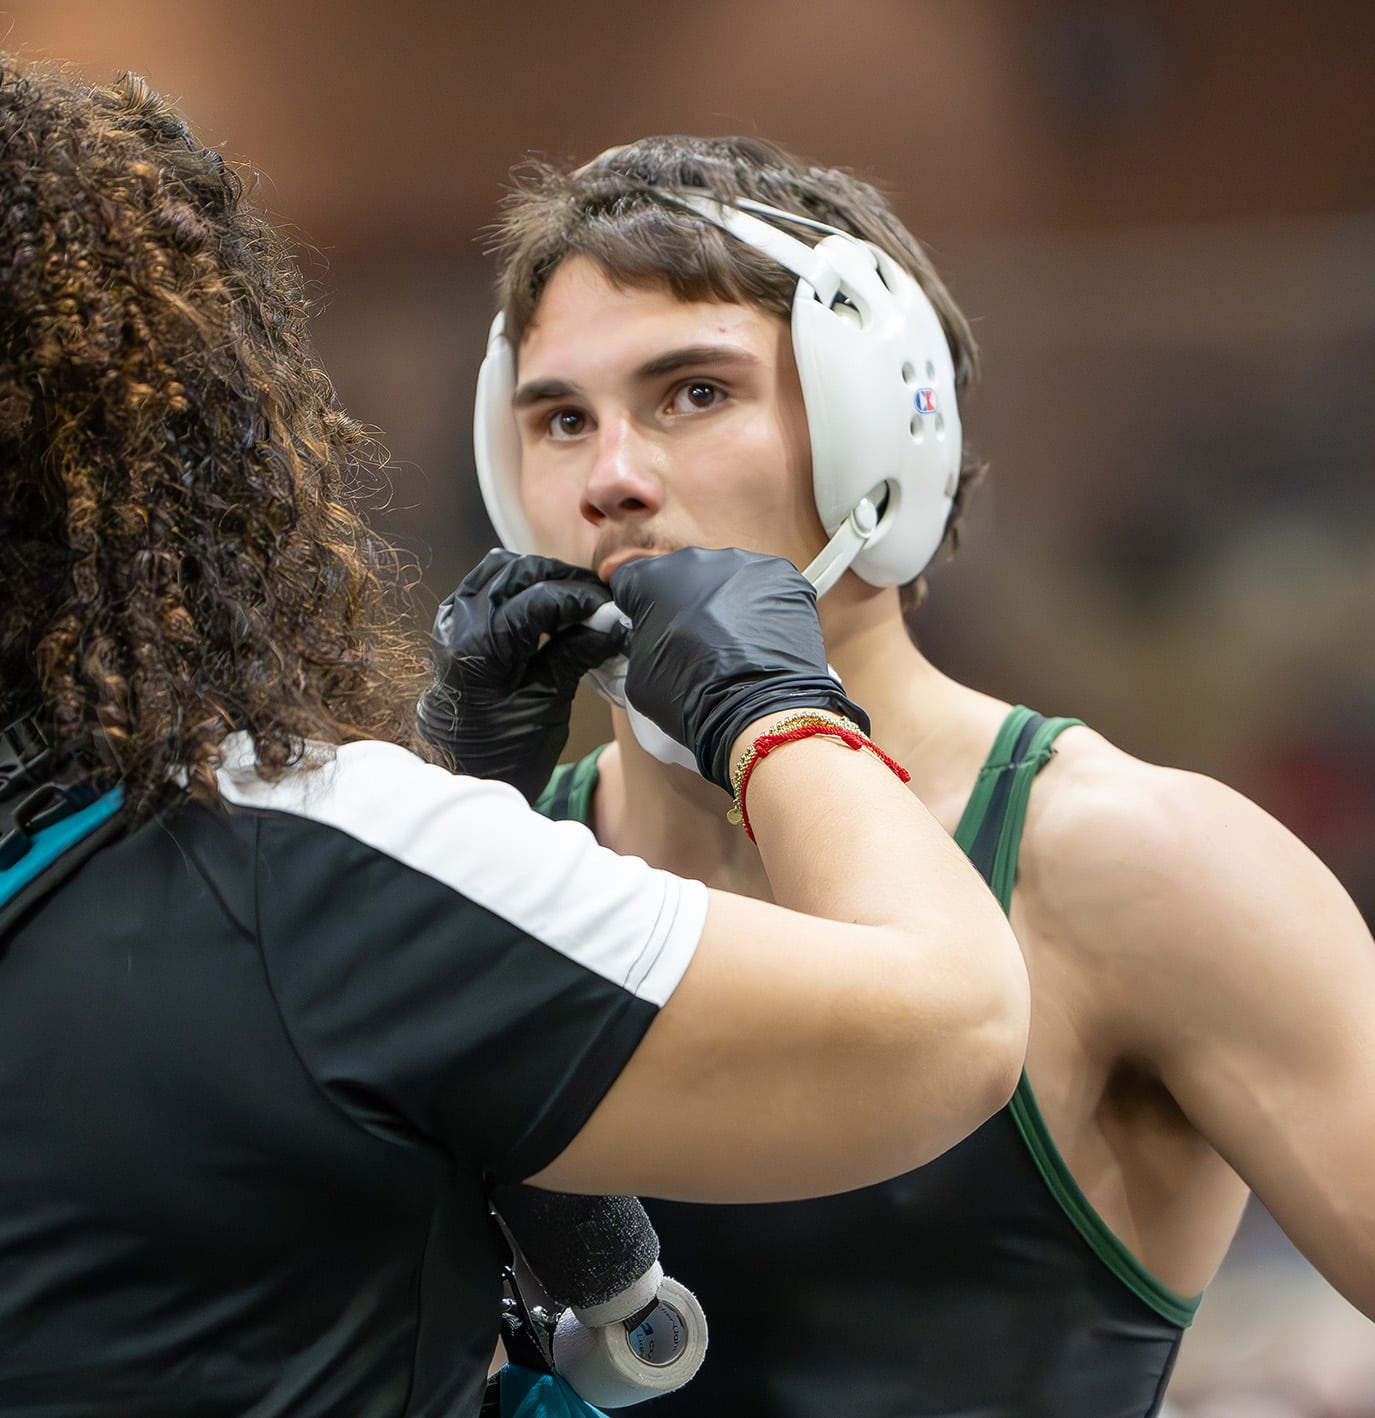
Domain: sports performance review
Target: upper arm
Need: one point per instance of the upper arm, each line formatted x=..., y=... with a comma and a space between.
x=1246, y=976
x=797, y=1057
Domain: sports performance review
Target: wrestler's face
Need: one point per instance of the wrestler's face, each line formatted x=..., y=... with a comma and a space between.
x=650, y=423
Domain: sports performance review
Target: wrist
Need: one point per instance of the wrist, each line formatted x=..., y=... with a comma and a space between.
x=742, y=749
x=767, y=699
x=792, y=728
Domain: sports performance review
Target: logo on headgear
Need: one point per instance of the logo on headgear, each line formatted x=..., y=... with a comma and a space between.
x=925, y=400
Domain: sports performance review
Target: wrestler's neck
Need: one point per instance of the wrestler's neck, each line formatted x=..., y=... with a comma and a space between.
x=673, y=818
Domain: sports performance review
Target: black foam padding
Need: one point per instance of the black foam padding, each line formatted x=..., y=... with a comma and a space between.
x=584, y=1250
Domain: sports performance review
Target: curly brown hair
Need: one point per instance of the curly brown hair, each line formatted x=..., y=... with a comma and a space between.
x=182, y=549
x=612, y=211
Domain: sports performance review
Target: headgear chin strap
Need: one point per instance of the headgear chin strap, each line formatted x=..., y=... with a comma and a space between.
x=878, y=383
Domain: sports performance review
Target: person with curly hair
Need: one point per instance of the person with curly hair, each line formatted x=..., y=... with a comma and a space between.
x=280, y=1000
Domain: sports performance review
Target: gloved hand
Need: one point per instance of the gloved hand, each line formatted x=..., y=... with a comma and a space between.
x=719, y=639
x=504, y=693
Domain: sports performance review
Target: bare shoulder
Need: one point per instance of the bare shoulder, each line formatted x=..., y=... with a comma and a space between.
x=1174, y=927
x=1166, y=892
x=1102, y=821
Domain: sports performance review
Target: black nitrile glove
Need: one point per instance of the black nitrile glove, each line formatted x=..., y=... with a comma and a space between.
x=719, y=639
x=504, y=693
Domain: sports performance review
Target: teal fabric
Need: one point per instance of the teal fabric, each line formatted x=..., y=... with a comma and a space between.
x=52, y=842
x=526, y=1393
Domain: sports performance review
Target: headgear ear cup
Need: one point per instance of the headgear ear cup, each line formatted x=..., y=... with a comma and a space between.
x=879, y=392
x=496, y=442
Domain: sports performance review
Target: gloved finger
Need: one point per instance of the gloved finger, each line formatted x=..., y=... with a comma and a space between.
x=453, y=613
x=571, y=653
x=681, y=578
x=631, y=589
x=545, y=608
x=497, y=579
x=486, y=571
x=477, y=644
x=499, y=575
x=522, y=572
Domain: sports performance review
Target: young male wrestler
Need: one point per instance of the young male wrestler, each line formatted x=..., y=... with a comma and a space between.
x=673, y=366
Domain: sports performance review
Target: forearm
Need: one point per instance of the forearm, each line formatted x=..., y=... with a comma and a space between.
x=841, y=836
x=846, y=843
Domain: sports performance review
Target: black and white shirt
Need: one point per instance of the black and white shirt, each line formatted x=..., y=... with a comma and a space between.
x=255, y=1063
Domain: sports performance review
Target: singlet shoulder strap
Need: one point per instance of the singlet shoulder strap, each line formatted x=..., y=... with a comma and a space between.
x=990, y=830
x=568, y=793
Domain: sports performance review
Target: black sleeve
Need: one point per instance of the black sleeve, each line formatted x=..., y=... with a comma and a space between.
x=453, y=966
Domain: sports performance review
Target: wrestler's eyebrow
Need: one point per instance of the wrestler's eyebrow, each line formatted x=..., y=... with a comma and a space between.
x=673, y=360
x=541, y=391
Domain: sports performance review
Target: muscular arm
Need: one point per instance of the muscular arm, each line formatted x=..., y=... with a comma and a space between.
x=859, y=1028
x=1239, y=970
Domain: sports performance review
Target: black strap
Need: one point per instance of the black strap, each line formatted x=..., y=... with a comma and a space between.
x=32, y=892
x=983, y=853
x=43, y=784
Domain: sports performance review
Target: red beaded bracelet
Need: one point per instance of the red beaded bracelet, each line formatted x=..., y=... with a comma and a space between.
x=811, y=727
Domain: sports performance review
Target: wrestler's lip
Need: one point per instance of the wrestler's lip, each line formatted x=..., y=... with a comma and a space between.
x=618, y=559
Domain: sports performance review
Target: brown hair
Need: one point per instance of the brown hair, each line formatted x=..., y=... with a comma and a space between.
x=181, y=545
x=612, y=211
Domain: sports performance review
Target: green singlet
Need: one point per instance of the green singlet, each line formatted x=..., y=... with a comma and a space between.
x=982, y=1285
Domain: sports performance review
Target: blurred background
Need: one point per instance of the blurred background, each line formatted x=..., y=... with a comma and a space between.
x=1160, y=215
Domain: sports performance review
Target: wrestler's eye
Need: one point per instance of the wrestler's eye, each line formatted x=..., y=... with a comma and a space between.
x=567, y=423
x=696, y=395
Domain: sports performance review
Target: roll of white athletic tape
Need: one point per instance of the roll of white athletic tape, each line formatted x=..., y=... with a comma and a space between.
x=613, y=1367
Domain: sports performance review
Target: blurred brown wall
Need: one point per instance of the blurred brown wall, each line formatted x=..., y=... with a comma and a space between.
x=1159, y=213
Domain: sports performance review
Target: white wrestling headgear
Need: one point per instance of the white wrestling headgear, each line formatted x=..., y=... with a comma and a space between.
x=877, y=380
